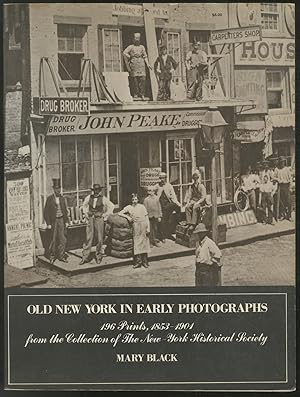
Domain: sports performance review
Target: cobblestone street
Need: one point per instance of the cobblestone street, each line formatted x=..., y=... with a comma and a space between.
x=268, y=262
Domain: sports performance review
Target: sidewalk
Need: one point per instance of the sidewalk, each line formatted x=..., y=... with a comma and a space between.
x=235, y=237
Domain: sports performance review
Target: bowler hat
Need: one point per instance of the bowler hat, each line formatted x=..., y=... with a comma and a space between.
x=56, y=183
x=200, y=228
x=96, y=186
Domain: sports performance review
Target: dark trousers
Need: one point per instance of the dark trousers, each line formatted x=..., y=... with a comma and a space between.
x=153, y=230
x=266, y=203
x=164, y=92
x=207, y=275
x=58, y=242
x=195, y=85
x=285, y=200
x=138, y=85
x=167, y=221
x=95, y=225
x=252, y=199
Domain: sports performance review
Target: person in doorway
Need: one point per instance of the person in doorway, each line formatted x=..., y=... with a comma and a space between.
x=169, y=204
x=136, y=60
x=194, y=199
x=208, y=256
x=96, y=209
x=196, y=64
x=57, y=220
x=284, y=178
x=153, y=208
x=267, y=191
x=266, y=171
x=137, y=214
x=164, y=67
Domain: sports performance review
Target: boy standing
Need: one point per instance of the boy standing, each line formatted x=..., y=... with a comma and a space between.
x=267, y=191
x=208, y=255
x=153, y=208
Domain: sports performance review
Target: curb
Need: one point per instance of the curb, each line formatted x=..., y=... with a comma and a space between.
x=187, y=252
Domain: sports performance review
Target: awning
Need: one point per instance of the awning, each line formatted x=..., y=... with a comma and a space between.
x=283, y=120
x=249, y=136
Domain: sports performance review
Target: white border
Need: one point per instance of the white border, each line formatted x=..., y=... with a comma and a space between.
x=148, y=383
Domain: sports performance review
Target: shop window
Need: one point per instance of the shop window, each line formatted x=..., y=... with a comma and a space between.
x=113, y=172
x=71, y=50
x=270, y=16
x=174, y=49
x=177, y=160
x=275, y=89
x=112, y=51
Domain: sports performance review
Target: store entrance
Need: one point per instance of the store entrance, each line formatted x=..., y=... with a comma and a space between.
x=129, y=170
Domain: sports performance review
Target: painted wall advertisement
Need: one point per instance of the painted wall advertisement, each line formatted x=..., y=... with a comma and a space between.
x=252, y=84
x=149, y=176
x=126, y=122
x=277, y=52
x=19, y=230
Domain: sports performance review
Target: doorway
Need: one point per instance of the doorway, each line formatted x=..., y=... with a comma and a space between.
x=129, y=170
x=127, y=39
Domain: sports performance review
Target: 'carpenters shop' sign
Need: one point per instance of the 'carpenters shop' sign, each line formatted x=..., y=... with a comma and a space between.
x=104, y=123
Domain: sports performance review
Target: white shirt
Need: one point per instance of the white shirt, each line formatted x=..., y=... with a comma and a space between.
x=206, y=251
x=108, y=206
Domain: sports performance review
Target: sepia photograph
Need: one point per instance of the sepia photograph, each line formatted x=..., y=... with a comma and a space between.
x=149, y=144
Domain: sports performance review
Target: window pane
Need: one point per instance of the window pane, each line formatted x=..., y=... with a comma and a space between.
x=68, y=150
x=78, y=45
x=113, y=172
x=62, y=45
x=83, y=149
x=70, y=44
x=84, y=176
x=187, y=149
x=274, y=99
x=69, y=177
x=69, y=66
x=174, y=174
x=114, y=194
x=186, y=171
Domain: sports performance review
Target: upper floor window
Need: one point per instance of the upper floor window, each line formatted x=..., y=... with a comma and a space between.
x=71, y=50
x=270, y=16
x=174, y=49
x=275, y=89
x=112, y=53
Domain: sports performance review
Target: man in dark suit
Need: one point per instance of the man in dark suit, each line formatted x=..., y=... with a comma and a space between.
x=56, y=217
x=163, y=68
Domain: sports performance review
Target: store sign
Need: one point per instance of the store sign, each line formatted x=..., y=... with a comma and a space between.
x=149, y=176
x=235, y=35
x=248, y=14
x=18, y=200
x=249, y=135
x=49, y=106
x=19, y=244
x=271, y=52
x=136, y=10
x=122, y=122
x=251, y=84
x=236, y=219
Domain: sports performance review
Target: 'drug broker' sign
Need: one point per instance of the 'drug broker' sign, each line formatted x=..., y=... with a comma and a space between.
x=61, y=105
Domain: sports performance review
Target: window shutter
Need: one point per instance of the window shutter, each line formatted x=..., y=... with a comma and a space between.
x=101, y=50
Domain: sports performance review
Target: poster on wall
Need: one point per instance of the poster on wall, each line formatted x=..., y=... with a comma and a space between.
x=19, y=243
x=185, y=290
x=18, y=200
x=250, y=83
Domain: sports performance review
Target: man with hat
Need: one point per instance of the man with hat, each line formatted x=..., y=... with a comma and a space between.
x=196, y=64
x=284, y=178
x=96, y=209
x=208, y=255
x=195, y=198
x=135, y=58
x=56, y=218
x=169, y=204
x=163, y=68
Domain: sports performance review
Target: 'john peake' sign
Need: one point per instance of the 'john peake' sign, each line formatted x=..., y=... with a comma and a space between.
x=103, y=123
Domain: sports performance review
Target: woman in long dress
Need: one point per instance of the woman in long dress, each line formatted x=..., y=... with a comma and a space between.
x=138, y=215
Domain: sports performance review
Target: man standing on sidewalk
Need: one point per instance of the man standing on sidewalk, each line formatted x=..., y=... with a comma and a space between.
x=284, y=178
x=96, y=209
x=56, y=218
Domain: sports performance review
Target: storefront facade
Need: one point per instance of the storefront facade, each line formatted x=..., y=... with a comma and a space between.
x=265, y=70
